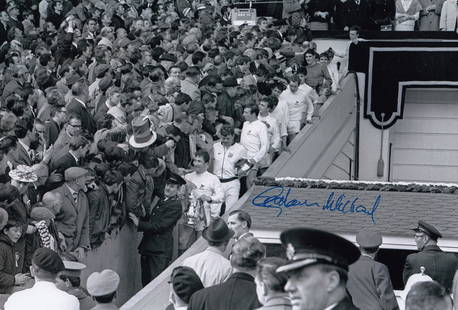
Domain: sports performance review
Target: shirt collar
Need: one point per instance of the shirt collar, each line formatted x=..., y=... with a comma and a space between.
x=80, y=101
x=26, y=147
x=74, y=156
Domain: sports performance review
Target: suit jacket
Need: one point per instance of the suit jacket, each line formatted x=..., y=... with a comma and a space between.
x=440, y=266
x=87, y=121
x=448, y=16
x=237, y=293
x=231, y=243
x=73, y=219
x=19, y=156
x=139, y=192
x=370, y=286
x=157, y=228
x=63, y=162
x=346, y=304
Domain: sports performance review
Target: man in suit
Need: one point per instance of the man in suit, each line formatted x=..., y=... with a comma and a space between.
x=238, y=292
x=25, y=152
x=239, y=222
x=317, y=269
x=157, y=227
x=72, y=220
x=190, y=85
x=440, y=266
x=78, y=106
x=369, y=281
x=78, y=149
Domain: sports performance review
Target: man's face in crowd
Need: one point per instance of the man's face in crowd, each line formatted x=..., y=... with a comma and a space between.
x=227, y=140
x=276, y=92
x=92, y=26
x=61, y=115
x=40, y=130
x=353, y=34
x=420, y=240
x=4, y=16
x=199, y=164
x=171, y=190
x=263, y=107
x=237, y=226
x=147, y=13
x=121, y=33
x=175, y=72
x=74, y=127
x=14, y=12
x=310, y=58
x=293, y=86
x=247, y=115
x=13, y=233
x=263, y=25
x=307, y=288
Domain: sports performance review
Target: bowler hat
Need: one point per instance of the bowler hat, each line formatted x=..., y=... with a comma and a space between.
x=217, y=231
x=369, y=238
x=428, y=229
x=142, y=135
x=307, y=246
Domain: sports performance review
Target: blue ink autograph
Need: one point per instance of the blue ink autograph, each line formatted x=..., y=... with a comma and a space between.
x=276, y=197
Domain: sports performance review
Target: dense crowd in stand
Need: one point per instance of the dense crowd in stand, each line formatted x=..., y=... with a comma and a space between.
x=109, y=107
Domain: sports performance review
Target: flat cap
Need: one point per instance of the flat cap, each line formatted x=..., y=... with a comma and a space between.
x=48, y=260
x=74, y=173
x=308, y=246
x=185, y=282
x=369, y=238
x=174, y=178
x=428, y=229
x=102, y=283
x=41, y=214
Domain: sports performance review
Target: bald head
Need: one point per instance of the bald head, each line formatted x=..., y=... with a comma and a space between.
x=53, y=201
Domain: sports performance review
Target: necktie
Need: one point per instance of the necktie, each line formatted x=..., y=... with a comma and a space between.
x=75, y=197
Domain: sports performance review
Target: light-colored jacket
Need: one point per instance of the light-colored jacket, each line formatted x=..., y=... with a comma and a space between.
x=448, y=16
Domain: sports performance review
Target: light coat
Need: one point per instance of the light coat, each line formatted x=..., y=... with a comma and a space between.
x=448, y=16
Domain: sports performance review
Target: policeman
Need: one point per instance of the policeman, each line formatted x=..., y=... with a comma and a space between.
x=369, y=282
x=317, y=269
x=157, y=227
x=440, y=266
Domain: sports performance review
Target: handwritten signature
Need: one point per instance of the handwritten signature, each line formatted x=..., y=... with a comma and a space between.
x=276, y=197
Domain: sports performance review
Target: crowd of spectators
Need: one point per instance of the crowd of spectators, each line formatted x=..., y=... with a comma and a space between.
x=104, y=102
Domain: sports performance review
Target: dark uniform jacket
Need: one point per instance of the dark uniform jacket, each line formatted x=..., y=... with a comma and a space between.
x=370, y=286
x=440, y=266
x=236, y=293
x=157, y=228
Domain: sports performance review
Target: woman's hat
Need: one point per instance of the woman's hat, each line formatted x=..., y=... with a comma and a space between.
x=142, y=135
x=23, y=174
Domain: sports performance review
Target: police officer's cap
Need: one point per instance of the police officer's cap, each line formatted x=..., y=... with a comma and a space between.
x=307, y=246
x=428, y=229
x=175, y=179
